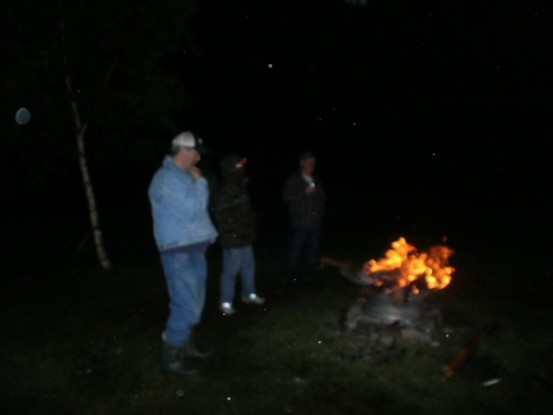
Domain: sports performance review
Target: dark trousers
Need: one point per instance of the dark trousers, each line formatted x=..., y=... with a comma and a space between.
x=304, y=242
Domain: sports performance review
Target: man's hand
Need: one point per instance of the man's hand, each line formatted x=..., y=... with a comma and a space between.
x=310, y=189
x=195, y=171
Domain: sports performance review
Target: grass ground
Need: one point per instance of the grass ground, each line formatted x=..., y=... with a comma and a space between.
x=79, y=340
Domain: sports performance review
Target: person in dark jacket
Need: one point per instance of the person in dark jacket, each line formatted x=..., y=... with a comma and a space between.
x=305, y=195
x=236, y=224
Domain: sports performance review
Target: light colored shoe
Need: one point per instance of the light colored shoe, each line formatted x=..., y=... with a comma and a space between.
x=253, y=299
x=227, y=309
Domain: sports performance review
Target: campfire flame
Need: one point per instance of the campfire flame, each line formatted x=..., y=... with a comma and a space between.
x=404, y=266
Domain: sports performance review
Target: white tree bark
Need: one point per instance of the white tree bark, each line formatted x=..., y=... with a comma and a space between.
x=80, y=130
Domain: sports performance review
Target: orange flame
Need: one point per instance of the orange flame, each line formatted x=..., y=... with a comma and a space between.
x=409, y=267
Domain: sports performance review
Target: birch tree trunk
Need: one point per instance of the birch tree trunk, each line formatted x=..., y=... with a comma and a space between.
x=80, y=130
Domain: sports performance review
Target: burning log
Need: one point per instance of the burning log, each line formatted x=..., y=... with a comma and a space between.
x=401, y=270
x=351, y=270
x=356, y=273
x=394, y=290
x=467, y=351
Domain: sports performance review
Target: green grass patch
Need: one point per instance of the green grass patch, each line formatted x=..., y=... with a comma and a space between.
x=88, y=342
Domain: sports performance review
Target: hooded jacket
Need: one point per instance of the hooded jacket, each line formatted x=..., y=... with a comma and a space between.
x=232, y=210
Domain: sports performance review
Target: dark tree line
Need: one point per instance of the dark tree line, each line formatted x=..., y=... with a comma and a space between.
x=99, y=81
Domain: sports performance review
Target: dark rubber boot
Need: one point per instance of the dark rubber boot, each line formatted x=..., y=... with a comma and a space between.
x=170, y=361
x=190, y=350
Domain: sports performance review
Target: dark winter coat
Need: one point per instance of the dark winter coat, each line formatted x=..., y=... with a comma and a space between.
x=232, y=209
x=306, y=210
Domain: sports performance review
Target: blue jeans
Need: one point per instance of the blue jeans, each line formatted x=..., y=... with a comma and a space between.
x=186, y=277
x=237, y=262
x=306, y=242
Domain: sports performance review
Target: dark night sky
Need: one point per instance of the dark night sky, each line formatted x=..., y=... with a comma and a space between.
x=429, y=118
x=416, y=86
x=427, y=104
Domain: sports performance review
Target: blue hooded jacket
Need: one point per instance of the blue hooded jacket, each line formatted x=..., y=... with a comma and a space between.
x=180, y=208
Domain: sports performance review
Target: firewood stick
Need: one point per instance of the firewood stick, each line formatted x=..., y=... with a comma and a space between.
x=455, y=365
x=355, y=273
x=467, y=351
x=346, y=263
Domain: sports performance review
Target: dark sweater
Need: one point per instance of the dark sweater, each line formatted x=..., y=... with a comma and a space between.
x=306, y=210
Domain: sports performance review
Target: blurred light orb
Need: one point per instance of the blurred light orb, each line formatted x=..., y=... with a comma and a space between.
x=22, y=116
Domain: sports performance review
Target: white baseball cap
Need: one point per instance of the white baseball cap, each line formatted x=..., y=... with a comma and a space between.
x=190, y=141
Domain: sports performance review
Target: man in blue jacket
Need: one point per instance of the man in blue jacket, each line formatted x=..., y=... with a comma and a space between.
x=183, y=231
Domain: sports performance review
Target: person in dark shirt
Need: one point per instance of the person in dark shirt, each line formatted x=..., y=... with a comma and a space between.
x=305, y=195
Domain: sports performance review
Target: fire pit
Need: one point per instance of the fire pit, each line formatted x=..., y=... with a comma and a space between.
x=394, y=293
x=382, y=309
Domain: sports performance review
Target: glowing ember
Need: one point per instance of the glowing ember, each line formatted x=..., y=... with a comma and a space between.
x=404, y=266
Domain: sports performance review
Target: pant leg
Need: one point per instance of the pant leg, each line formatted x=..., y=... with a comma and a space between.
x=200, y=265
x=185, y=275
x=231, y=266
x=295, y=246
x=312, y=248
x=247, y=271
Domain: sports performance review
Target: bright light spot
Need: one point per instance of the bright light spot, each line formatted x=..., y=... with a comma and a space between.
x=319, y=342
x=355, y=124
x=228, y=398
x=270, y=66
